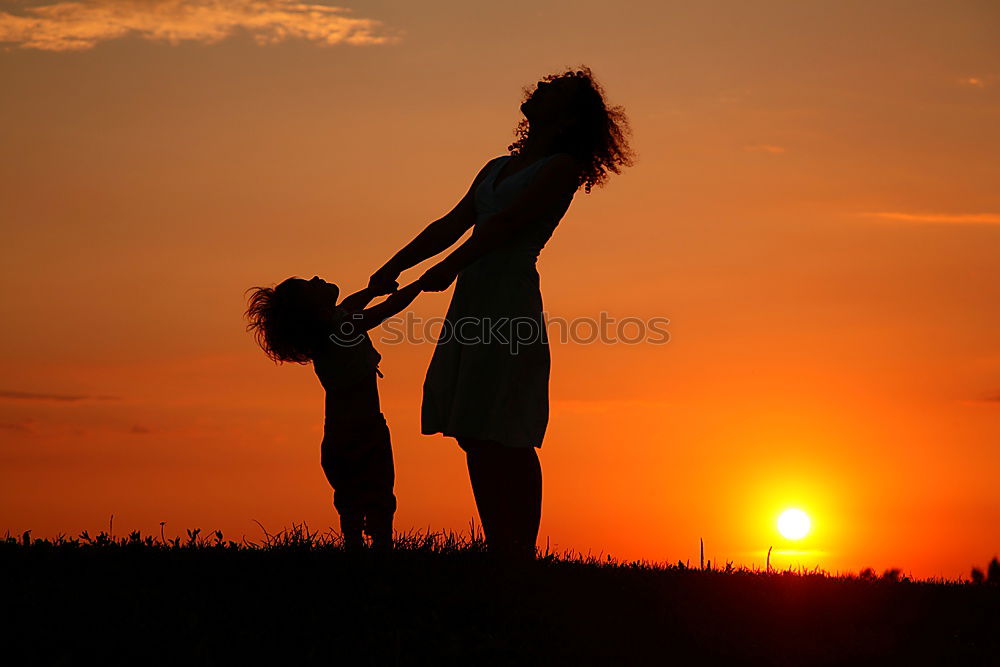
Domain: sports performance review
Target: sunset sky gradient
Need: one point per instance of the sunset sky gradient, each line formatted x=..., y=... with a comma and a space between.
x=815, y=207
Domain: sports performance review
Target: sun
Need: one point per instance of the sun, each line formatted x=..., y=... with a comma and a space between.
x=793, y=524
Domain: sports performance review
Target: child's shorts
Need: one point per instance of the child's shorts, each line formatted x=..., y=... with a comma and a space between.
x=357, y=458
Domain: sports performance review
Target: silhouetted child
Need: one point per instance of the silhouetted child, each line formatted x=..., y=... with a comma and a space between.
x=300, y=321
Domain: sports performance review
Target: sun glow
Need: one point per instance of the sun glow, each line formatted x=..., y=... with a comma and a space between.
x=793, y=524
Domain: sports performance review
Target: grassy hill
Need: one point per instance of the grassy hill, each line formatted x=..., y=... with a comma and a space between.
x=298, y=599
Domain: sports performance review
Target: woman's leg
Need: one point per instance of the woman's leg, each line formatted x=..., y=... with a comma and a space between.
x=525, y=475
x=484, y=487
x=507, y=485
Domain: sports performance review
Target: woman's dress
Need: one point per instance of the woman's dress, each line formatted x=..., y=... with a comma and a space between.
x=489, y=376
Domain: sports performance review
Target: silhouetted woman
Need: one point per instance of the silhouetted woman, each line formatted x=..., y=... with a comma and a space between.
x=487, y=384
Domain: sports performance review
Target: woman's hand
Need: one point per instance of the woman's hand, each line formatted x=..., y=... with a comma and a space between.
x=437, y=278
x=384, y=281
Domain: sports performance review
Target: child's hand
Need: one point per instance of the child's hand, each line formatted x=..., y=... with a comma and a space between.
x=383, y=281
x=396, y=302
x=381, y=289
x=411, y=290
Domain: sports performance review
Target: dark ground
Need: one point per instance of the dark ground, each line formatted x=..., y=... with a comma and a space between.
x=443, y=602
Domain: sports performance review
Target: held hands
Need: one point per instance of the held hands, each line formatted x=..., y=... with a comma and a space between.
x=384, y=281
x=437, y=278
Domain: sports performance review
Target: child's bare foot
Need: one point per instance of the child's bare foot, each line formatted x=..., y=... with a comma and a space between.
x=353, y=542
x=382, y=543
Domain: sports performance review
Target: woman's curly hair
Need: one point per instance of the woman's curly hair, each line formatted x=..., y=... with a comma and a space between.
x=283, y=327
x=600, y=139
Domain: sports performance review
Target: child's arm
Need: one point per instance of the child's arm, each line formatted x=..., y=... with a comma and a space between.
x=380, y=312
x=359, y=299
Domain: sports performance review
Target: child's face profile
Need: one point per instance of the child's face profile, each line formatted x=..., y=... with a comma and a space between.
x=323, y=287
x=322, y=291
x=551, y=101
x=315, y=294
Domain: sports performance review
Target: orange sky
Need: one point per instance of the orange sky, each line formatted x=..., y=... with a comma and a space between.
x=814, y=207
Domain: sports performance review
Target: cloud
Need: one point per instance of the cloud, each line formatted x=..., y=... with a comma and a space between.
x=949, y=218
x=984, y=399
x=23, y=426
x=764, y=148
x=62, y=398
x=81, y=25
x=973, y=81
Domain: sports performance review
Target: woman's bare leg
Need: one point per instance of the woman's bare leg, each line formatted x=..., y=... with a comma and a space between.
x=507, y=485
x=525, y=475
x=484, y=483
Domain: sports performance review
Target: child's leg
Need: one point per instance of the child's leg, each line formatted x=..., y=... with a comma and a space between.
x=352, y=518
x=379, y=478
x=343, y=479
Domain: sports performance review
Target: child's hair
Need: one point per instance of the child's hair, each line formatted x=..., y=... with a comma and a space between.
x=283, y=322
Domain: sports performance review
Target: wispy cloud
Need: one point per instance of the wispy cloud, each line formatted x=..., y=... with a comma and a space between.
x=62, y=398
x=22, y=426
x=947, y=218
x=764, y=148
x=973, y=81
x=985, y=399
x=81, y=25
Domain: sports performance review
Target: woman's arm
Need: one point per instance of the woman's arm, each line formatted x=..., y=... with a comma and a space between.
x=556, y=180
x=437, y=236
